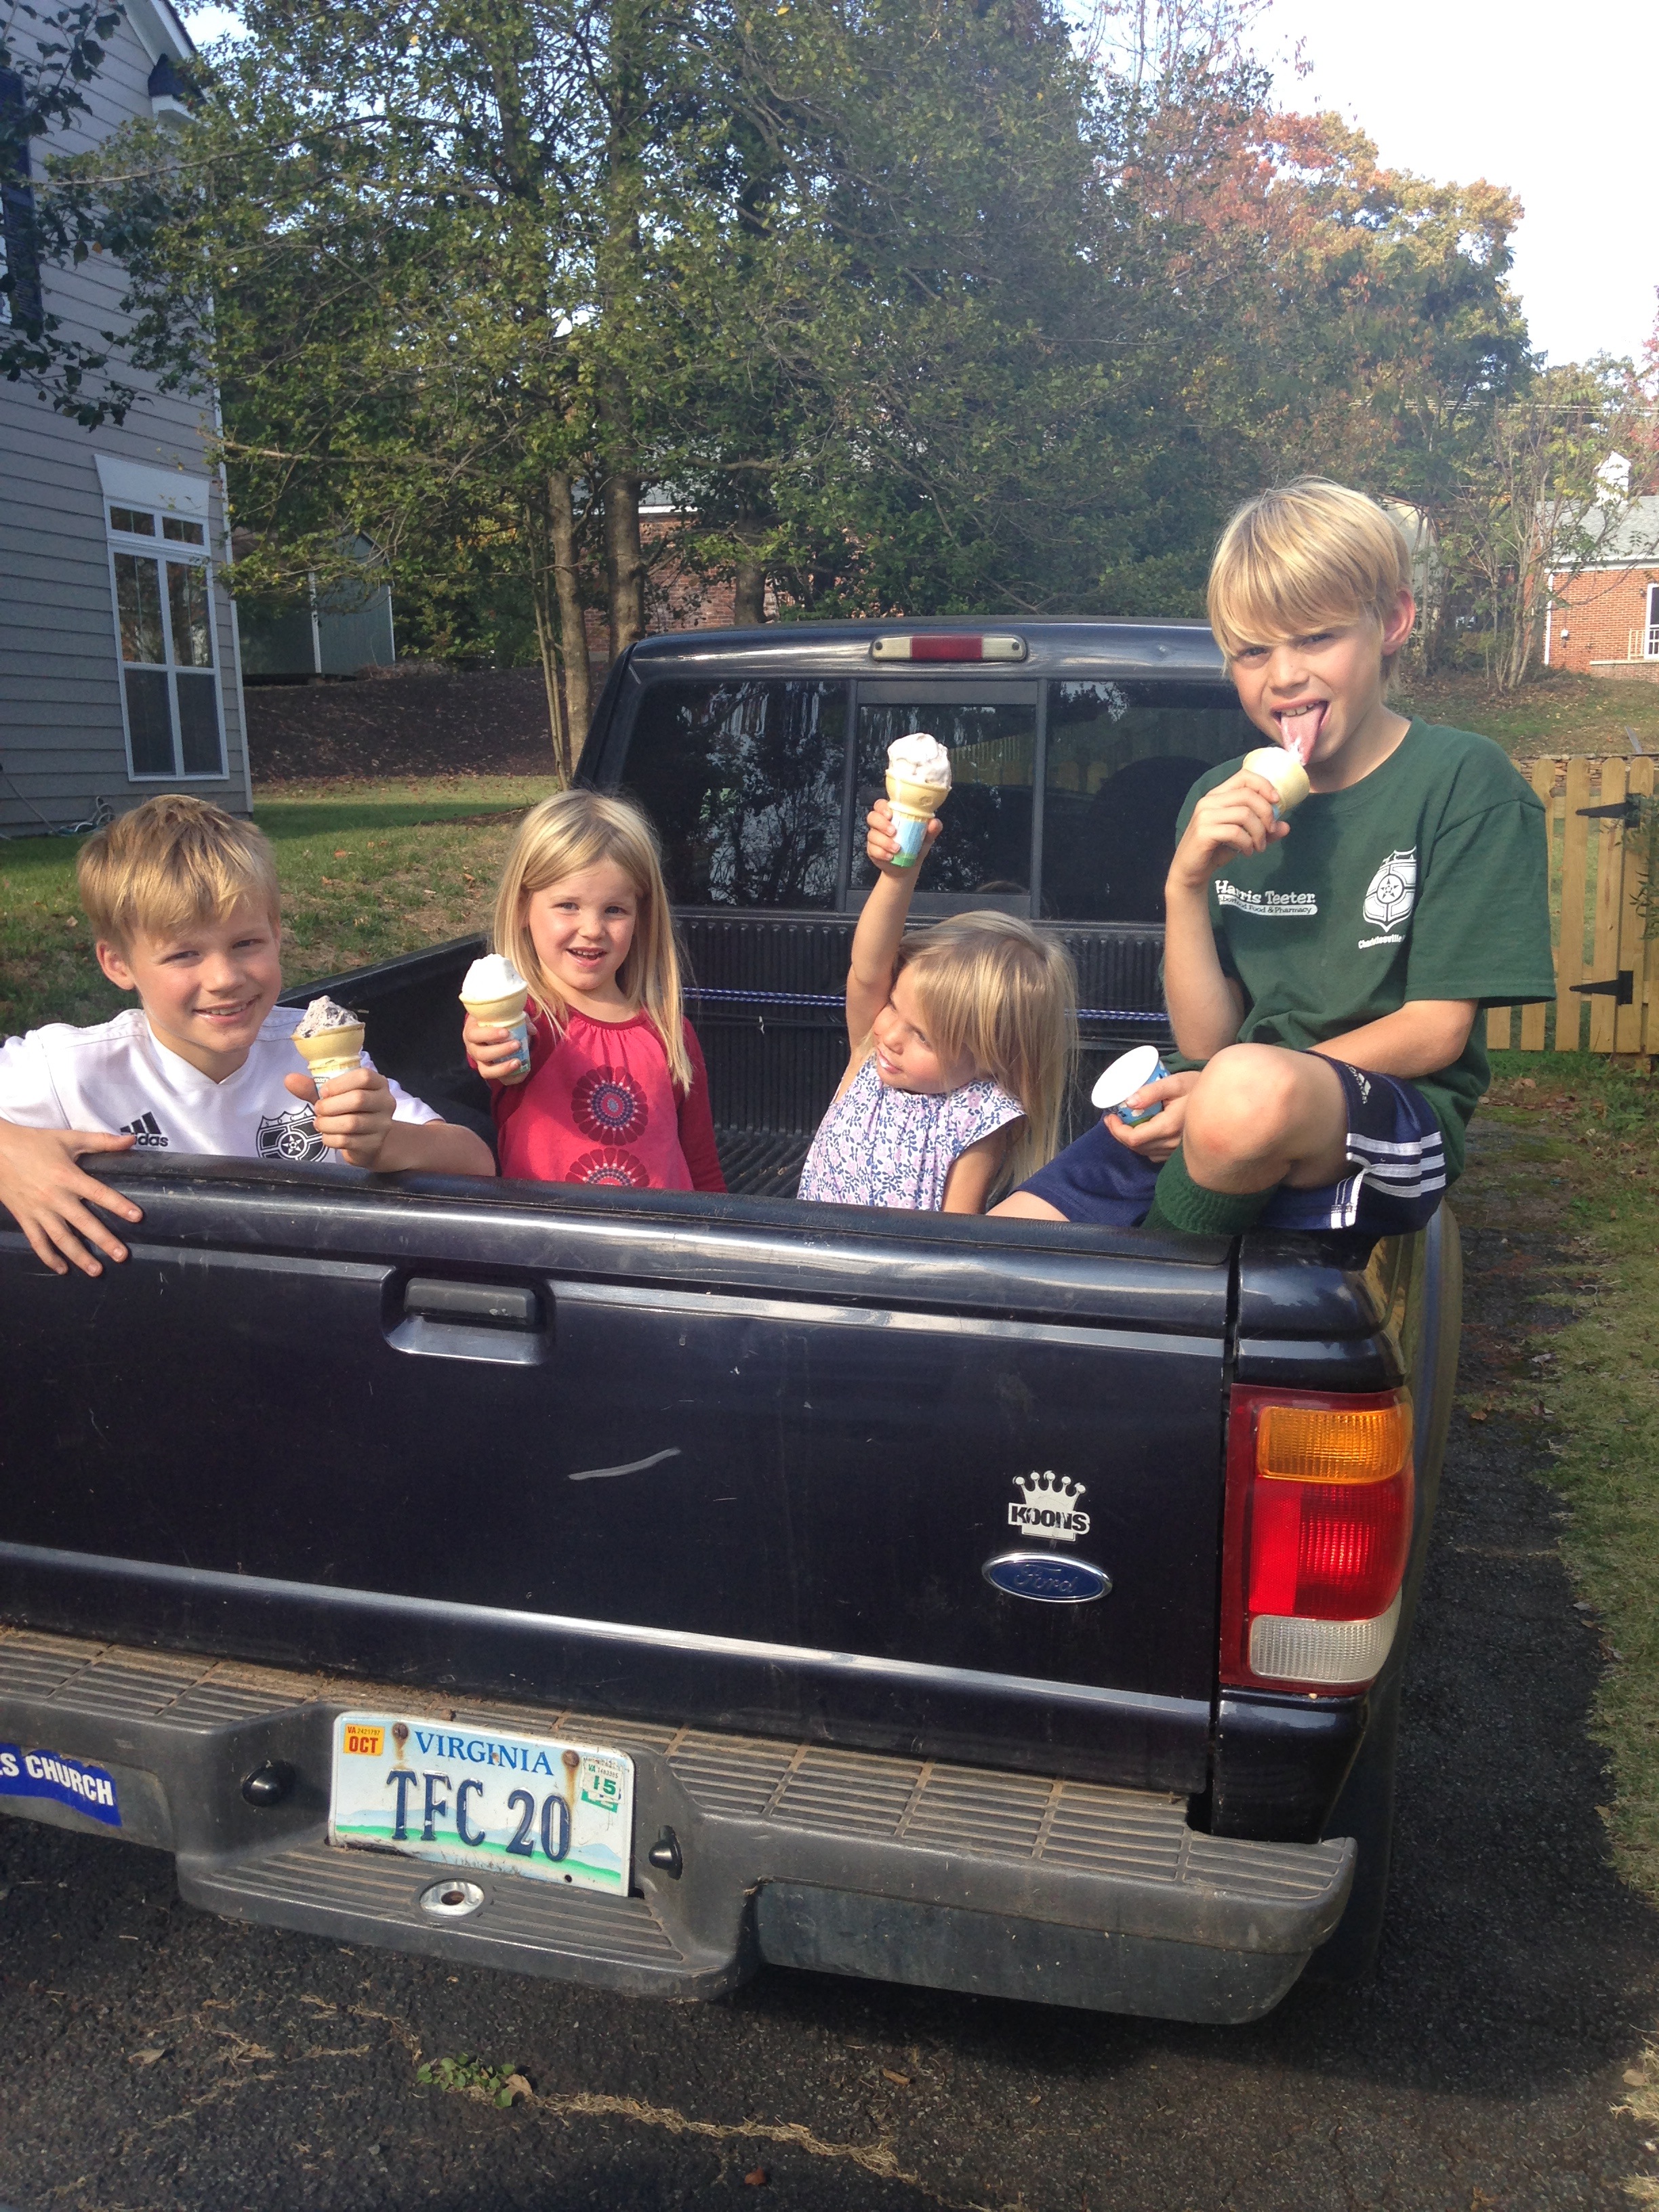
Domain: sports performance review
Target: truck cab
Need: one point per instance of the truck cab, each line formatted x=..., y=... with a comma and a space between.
x=757, y=755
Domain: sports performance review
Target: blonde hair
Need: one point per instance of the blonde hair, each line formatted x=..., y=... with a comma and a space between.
x=1293, y=559
x=1002, y=996
x=561, y=836
x=173, y=862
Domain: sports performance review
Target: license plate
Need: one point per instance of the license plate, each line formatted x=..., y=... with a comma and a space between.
x=528, y=1805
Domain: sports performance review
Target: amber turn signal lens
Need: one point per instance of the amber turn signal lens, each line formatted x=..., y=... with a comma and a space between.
x=1310, y=1443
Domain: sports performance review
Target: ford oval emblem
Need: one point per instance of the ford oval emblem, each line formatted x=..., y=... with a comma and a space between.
x=1048, y=1577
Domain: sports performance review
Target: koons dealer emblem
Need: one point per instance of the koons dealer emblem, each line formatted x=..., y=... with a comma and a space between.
x=1047, y=1506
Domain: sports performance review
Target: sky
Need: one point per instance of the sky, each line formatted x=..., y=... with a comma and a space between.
x=1550, y=102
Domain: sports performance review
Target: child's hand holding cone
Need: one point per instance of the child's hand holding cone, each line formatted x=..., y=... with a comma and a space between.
x=918, y=785
x=882, y=842
x=353, y=1113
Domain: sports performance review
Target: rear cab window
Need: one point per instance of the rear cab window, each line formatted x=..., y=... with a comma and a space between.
x=746, y=783
x=757, y=755
x=1064, y=798
x=1121, y=755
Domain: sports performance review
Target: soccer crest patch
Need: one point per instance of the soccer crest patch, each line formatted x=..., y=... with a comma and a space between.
x=1392, y=892
x=290, y=1137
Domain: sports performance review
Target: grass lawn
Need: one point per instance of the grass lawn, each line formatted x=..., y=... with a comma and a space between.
x=366, y=870
x=1552, y=713
x=1568, y=1164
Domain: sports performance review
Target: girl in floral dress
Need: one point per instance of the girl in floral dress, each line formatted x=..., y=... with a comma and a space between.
x=618, y=1095
x=961, y=1040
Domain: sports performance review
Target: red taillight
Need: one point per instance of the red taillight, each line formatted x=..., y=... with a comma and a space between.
x=949, y=645
x=1319, y=1528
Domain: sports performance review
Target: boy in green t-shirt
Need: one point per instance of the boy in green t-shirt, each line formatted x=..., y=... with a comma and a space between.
x=1324, y=972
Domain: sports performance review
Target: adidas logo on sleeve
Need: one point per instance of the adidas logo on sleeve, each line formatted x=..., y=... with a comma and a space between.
x=146, y=1129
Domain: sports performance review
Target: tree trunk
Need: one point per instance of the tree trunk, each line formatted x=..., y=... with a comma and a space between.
x=544, y=604
x=548, y=644
x=749, y=593
x=572, y=624
x=624, y=561
x=618, y=269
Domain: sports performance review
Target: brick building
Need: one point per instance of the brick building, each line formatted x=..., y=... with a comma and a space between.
x=1605, y=620
x=675, y=596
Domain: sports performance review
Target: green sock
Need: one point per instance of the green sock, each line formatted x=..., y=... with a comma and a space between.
x=1180, y=1203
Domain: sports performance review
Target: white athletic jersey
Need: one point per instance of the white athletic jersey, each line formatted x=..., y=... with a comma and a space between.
x=118, y=1077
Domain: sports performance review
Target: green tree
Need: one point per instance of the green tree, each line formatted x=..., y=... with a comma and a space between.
x=48, y=59
x=1533, y=503
x=913, y=306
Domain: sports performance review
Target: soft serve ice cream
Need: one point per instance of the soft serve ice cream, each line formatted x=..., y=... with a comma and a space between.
x=917, y=784
x=493, y=991
x=1284, y=771
x=330, y=1039
x=491, y=977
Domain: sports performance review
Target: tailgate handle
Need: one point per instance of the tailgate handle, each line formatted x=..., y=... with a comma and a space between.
x=473, y=1305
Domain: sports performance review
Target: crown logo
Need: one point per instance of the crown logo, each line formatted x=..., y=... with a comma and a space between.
x=1048, y=1490
x=1047, y=1506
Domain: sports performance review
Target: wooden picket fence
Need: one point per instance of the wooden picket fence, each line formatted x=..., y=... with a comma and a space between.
x=1607, y=966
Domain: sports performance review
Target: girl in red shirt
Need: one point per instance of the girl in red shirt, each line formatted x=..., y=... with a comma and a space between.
x=616, y=1093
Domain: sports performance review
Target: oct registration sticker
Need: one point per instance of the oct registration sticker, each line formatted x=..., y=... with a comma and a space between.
x=475, y=1797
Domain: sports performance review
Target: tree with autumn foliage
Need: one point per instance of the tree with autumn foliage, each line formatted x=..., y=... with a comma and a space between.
x=916, y=307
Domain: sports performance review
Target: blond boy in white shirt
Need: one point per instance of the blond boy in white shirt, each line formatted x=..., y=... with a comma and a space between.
x=183, y=904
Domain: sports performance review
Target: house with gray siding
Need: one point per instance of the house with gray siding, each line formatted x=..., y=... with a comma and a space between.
x=119, y=667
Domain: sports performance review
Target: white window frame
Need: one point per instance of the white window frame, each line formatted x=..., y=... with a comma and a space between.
x=1650, y=642
x=165, y=494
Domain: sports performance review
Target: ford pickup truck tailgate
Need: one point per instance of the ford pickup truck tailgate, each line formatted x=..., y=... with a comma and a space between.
x=738, y=1460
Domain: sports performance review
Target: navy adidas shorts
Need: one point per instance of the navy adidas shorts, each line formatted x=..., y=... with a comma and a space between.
x=1395, y=1147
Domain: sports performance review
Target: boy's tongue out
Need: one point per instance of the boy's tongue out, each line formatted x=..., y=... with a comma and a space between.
x=1298, y=731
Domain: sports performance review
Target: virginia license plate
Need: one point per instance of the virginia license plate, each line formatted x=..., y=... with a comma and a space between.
x=465, y=1796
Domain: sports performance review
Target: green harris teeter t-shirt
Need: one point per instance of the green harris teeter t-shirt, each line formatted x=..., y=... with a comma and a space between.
x=1427, y=879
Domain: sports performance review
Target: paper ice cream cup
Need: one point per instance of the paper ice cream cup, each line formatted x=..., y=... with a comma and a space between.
x=1130, y=1072
x=506, y=1013
x=1285, y=772
x=914, y=806
x=331, y=1052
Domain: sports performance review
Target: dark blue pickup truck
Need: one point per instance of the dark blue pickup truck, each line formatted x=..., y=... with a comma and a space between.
x=636, y=1588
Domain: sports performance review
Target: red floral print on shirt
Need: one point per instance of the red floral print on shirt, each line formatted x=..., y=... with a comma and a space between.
x=608, y=1103
x=616, y=1171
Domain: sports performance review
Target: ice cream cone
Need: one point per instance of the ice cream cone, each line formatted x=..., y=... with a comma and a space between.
x=507, y=1012
x=914, y=806
x=332, y=1052
x=1285, y=772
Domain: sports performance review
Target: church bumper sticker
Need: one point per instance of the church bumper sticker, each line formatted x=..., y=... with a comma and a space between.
x=65, y=1781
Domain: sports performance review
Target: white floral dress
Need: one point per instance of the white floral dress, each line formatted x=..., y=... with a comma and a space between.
x=878, y=1146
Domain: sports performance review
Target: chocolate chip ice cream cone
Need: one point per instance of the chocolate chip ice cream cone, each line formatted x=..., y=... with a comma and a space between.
x=332, y=1052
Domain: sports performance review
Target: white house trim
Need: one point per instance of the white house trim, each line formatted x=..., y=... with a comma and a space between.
x=137, y=483
x=159, y=31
